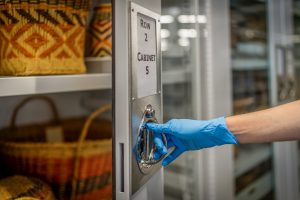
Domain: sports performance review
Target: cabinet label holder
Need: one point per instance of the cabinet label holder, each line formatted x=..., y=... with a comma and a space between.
x=145, y=51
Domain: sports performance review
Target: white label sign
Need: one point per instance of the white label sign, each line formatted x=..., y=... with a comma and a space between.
x=146, y=56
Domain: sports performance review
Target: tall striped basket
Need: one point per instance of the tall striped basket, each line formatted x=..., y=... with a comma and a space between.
x=100, y=31
x=42, y=36
x=78, y=168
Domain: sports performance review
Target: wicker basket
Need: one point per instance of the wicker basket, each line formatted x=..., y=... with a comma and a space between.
x=24, y=188
x=42, y=36
x=100, y=32
x=78, y=168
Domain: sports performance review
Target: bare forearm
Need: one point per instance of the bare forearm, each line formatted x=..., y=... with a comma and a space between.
x=276, y=124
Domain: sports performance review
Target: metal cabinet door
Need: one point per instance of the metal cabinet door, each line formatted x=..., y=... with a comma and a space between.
x=131, y=21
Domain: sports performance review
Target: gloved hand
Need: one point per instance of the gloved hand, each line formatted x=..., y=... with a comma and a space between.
x=186, y=135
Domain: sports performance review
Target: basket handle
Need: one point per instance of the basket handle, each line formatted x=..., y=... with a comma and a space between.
x=26, y=100
x=82, y=137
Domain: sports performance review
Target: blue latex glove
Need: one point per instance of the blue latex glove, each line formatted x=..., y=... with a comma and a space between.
x=186, y=135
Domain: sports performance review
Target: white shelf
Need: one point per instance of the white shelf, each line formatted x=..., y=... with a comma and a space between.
x=247, y=159
x=249, y=64
x=28, y=85
x=97, y=59
x=11, y=86
x=175, y=76
x=258, y=189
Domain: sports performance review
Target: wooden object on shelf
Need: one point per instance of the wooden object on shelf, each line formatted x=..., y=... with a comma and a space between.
x=79, y=167
x=42, y=37
x=25, y=188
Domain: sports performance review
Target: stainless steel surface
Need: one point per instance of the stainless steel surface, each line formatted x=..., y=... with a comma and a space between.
x=153, y=190
x=11, y=86
x=121, y=96
x=138, y=105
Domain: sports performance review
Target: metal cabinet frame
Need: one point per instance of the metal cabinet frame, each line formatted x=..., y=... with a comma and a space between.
x=285, y=154
x=153, y=189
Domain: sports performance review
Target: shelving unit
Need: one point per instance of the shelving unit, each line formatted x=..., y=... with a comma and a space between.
x=12, y=86
x=247, y=159
x=28, y=85
x=258, y=189
x=249, y=64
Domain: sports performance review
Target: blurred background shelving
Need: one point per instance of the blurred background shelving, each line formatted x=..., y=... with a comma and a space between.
x=250, y=80
x=296, y=54
x=250, y=157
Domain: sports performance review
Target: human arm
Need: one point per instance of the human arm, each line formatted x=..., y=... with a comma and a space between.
x=279, y=123
x=186, y=135
x=275, y=124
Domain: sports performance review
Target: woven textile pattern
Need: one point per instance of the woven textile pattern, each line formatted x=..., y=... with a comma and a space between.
x=19, y=187
x=94, y=181
x=101, y=32
x=42, y=37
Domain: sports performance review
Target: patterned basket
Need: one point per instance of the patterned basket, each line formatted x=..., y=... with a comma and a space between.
x=79, y=168
x=42, y=36
x=100, y=32
x=24, y=188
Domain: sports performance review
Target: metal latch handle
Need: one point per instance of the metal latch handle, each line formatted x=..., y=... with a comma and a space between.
x=145, y=146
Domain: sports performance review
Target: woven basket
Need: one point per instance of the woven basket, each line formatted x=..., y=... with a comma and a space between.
x=79, y=168
x=24, y=188
x=42, y=36
x=100, y=32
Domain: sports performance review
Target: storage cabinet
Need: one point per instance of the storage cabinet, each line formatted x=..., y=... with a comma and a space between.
x=74, y=96
x=198, y=81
